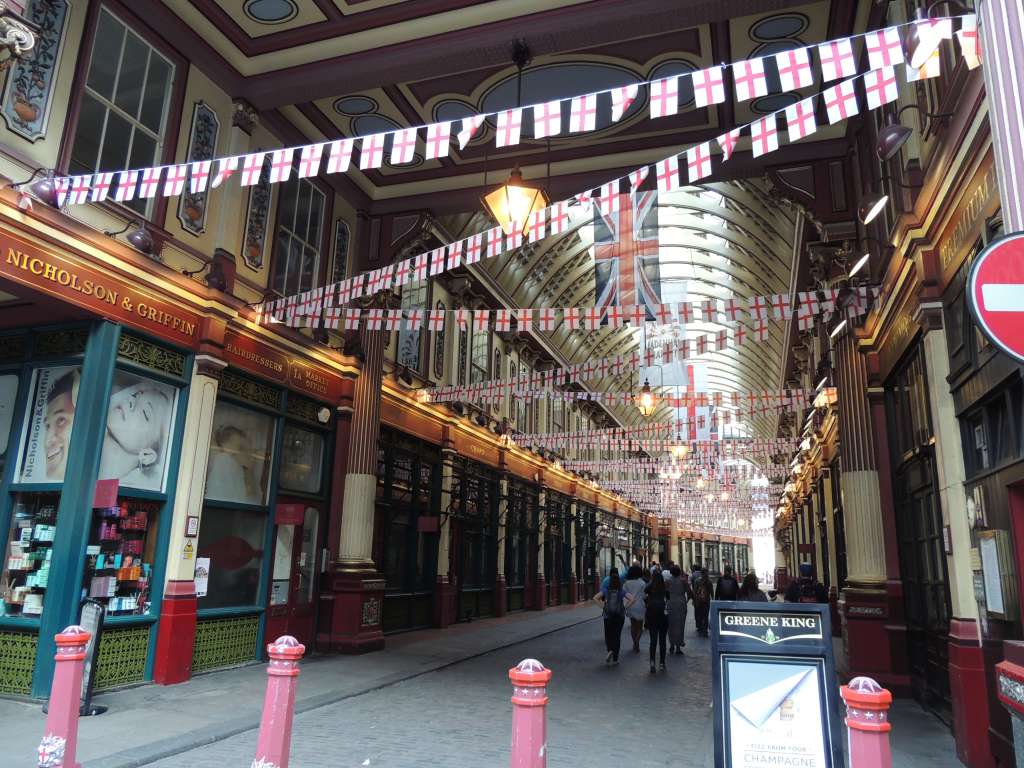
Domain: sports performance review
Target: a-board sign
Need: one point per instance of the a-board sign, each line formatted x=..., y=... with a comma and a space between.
x=91, y=620
x=775, y=690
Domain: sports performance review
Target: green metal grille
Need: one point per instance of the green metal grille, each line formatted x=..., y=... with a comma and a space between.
x=17, y=662
x=61, y=343
x=224, y=642
x=151, y=355
x=12, y=348
x=122, y=657
x=303, y=408
x=248, y=389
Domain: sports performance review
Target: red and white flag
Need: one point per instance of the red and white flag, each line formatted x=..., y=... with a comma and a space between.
x=281, y=165
x=252, y=169
x=970, y=46
x=800, y=121
x=371, y=152
x=151, y=182
x=837, y=60
x=535, y=225
x=884, y=48
x=495, y=243
x=309, y=160
x=101, y=184
x=439, y=136
x=481, y=319
x=524, y=319
x=393, y=320
x=469, y=127
x=474, y=248
x=728, y=141
x=637, y=177
x=435, y=320
x=503, y=320
x=667, y=174
x=340, y=156
x=403, y=146
x=510, y=123
x=547, y=119
x=764, y=135
x=174, y=182
x=698, y=161
x=750, y=79
x=413, y=319
x=932, y=67
x=437, y=262
x=546, y=319
x=226, y=168
x=794, y=69
x=571, y=317
x=880, y=86
x=608, y=198
x=76, y=192
x=583, y=113
x=199, y=176
x=455, y=254
x=708, y=86
x=665, y=97
x=622, y=98
x=559, y=217
x=841, y=101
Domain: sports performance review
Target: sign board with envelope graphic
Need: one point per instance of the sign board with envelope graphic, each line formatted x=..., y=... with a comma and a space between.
x=775, y=688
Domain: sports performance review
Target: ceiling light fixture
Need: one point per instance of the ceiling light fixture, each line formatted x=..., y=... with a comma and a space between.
x=860, y=264
x=838, y=329
x=139, y=237
x=646, y=401
x=512, y=203
x=871, y=207
x=894, y=135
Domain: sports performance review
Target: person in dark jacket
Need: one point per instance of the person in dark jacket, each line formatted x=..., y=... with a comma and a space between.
x=807, y=589
x=728, y=588
x=656, y=618
x=750, y=591
x=701, y=602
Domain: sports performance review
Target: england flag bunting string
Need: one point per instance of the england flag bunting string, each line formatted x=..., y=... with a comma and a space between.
x=840, y=101
x=795, y=69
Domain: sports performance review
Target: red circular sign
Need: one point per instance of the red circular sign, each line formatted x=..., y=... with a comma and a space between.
x=995, y=289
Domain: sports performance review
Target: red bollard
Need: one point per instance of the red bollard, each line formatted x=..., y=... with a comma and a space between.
x=867, y=723
x=529, y=717
x=57, y=749
x=275, y=740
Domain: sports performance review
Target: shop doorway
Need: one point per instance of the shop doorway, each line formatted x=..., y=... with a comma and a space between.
x=293, y=586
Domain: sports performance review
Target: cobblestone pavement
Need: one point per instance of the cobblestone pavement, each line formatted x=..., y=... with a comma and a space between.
x=598, y=716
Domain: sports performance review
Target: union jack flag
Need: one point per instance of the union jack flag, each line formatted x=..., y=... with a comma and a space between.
x=626, y=254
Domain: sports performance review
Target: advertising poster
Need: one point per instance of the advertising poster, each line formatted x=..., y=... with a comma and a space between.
x=239, y=465
x=775, y=713
x=50, y=419
x=137, y=441
x=202, y=577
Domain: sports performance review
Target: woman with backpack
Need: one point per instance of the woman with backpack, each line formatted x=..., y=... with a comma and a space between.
x=636, y=603
x=679, y=592
x=656, y=618
x=611, y=598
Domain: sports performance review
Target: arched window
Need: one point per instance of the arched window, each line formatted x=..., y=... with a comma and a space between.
x=339, y=260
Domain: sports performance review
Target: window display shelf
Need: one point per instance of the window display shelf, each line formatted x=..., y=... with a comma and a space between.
x=28, y=554
x=119, y=557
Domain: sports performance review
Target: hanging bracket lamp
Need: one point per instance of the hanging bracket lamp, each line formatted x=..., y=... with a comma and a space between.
x=512, y=203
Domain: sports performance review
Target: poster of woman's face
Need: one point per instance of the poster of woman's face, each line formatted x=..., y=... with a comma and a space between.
x=240, y=452
x=301, y=460
x=51, y=417
x=137, y=440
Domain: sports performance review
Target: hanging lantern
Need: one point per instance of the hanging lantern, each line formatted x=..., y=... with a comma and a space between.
x=646, y=401
x=512, y=203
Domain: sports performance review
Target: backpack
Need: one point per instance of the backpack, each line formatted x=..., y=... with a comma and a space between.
x=808, y=593
x=613, y=605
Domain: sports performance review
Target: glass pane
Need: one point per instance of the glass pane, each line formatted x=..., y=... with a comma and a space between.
x=158, y=85
x=302, y=209
x=49, y=421
x=233, y=540
x=239, y=466
x=282, y=565
x=137, y=442
x=308, y=268
x=143, y=149
x=132, y=75
x=28, y=554
x=120, y=555
x=307, y=556
x=301, y=460
x=316, y=215
x=105, y=52
x=88, y=134
x=280, y=262
x=286, y=205
x=117, y=139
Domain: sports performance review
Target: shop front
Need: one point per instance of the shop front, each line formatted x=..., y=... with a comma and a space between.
x=557, y=547
x=474, y=536
x=522, y=523
x=586, y=549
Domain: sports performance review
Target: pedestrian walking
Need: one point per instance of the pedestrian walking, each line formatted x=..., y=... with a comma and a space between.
x=702, y=603
x=807, y=589
x=636, y=604
x=656, y=619
x=728, y=588
x=750, y=591
x=679, y=593
x=613, y=608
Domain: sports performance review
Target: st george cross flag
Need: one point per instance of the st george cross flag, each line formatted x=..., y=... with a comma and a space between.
x=626, y=254
x=708, y=86
x=510, y=122
x=371, y=153
x=728, y=141
x=794, y=69
x=750, y=79
x=665, y=97
x=470, y=125
x=622, y=98
x=764, y=135
x=547, y=119
x=837, y=60
x=800, y=121
x=403, y=146
x=969, y=44
x=841, y=101
x=438, y=137
x=880, y=86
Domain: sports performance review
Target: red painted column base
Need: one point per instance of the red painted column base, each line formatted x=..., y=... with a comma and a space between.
x=875, y=638
x=574, y=590
x=553, y=593
x=356, y=618
x=444, y=602
x=176, y=634
x=540, y=593
x=969, y=692
x=500, y=597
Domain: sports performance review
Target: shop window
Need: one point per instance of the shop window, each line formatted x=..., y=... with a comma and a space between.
x=238, y=469
x=120, y=556
x=410, y=343
x=978, y=436
x=29, y=553
x=123, y=114
x=300, y=218
x=233, y=540
x=302, y=455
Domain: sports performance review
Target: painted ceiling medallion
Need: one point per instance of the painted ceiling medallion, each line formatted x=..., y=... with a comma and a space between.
x=783, y=26
x=768, y=104
x=270, y=11
x=355, y=105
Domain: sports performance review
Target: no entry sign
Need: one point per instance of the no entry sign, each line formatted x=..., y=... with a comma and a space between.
x=995, y=290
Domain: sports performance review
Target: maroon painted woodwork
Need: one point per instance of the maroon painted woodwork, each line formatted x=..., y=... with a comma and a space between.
x=969, y=692
x=355, y=625
x=445, y=597
x=176, y=634
x=500, y=597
